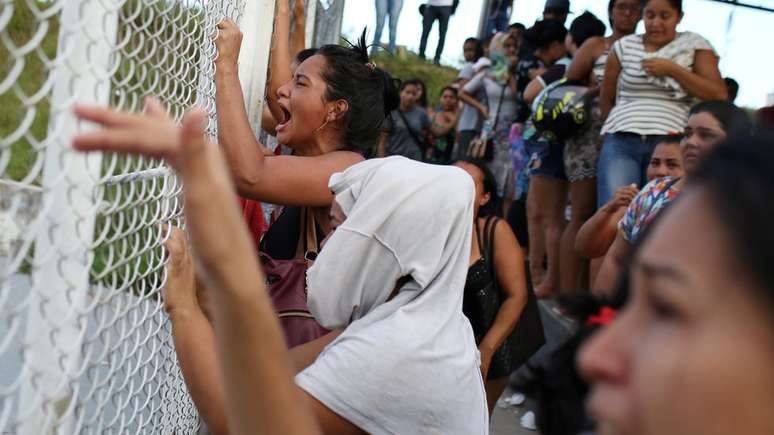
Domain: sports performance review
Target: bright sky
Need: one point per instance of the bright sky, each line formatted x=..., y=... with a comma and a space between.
x=740, y=56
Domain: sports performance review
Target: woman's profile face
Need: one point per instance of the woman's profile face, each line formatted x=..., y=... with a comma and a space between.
x=303, y=103
x=478, y=179
x=692, y=351
x=661, y=20
x=702, y=132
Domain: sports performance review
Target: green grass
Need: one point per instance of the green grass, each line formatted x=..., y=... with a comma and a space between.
x=406, y=65
x=21, y=29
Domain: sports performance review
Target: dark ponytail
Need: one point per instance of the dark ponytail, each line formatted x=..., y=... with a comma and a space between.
x=350, y=75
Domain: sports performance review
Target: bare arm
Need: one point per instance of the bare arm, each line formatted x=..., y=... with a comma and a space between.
x=268, y=122
x=704, y=82
x=532, y=90
x=298, y=38
x=472, y=101
x=598, y=233
x=286, y=180
x=381, y=148
x=610, y=272
x=583, y=61
x=195, y=348
x=509, y=266
x=280, y=57
x=252, y=356
x=609, y=85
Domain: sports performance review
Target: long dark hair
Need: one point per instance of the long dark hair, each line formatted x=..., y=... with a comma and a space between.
x=734, y=120
x=490, y=186
x=370, y=91
x=738, y=178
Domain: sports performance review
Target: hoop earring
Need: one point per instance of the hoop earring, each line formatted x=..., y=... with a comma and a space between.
x=324, y=124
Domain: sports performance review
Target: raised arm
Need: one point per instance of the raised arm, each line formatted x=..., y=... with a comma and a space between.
x=509, y=265
x=298, y=38
x=193, y=336
x=598, y=233
x=280, y=57
x=609, y=84
x=261, y=396
x=583, y=62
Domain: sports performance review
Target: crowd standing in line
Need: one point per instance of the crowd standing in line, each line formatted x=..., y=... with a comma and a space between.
x=415, y=287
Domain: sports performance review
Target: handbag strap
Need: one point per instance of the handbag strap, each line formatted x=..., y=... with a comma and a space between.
x=500, y=104
x=307, y=234
x=420, y=143
x=489, y=230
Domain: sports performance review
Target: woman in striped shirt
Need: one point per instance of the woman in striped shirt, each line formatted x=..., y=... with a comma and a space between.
x=650, y=82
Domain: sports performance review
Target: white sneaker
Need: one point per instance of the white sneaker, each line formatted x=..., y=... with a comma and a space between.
x=516, y=399
x=528, y=420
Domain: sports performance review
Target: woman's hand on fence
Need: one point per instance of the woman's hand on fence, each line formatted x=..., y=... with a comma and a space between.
x=228, y=42
x=658, y=67
x=179, y=291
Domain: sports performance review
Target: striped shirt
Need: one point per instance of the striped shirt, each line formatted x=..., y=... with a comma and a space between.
x=642, y=106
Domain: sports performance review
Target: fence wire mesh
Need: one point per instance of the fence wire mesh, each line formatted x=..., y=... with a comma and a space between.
x=85, y=346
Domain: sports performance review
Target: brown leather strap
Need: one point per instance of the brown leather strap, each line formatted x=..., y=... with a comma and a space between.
x=307, y=233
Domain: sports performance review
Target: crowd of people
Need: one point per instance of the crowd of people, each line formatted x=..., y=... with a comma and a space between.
x=388, y=295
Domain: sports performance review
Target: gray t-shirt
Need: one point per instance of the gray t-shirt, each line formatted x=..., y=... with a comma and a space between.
x=400, y=141
x=469, y=118
x=493, y=92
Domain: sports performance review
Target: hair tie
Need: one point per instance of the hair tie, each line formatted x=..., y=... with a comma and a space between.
x=371, y=66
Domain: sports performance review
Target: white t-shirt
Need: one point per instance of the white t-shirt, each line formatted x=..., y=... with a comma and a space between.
x=408, y=365
x=440, y=2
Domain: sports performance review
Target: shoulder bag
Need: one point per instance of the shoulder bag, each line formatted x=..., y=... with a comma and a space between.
x=286, y=283
x=528, y=336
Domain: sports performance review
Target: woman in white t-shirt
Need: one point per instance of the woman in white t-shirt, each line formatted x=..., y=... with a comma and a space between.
x=650, y=82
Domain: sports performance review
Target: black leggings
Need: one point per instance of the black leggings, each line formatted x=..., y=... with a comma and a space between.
x=432, y=13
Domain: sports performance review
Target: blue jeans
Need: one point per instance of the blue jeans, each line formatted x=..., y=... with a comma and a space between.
x=624, y=160
x=383, y=9
x=497, y=21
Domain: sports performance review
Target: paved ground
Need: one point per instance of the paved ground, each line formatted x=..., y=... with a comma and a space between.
x=506, y=421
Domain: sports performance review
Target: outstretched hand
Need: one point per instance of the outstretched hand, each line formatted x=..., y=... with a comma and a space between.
x=153, y=134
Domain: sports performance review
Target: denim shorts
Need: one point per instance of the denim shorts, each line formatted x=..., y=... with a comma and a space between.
x=545, y=159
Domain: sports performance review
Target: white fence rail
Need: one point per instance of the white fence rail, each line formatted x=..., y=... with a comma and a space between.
x=85, y=346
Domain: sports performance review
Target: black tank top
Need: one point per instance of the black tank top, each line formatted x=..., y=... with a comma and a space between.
x=281, y=240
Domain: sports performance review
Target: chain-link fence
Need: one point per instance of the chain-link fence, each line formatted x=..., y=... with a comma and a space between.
x=85, y=346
